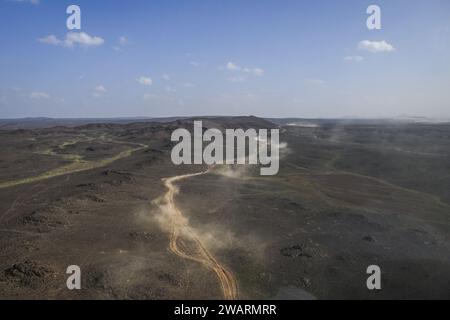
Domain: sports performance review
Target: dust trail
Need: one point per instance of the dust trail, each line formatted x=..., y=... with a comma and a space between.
x=200, y=253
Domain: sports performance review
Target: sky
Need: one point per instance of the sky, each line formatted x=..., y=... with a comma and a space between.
x=269, y=58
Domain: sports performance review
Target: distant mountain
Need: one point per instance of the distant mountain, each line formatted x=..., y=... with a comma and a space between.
x=418, y=119
x=43, y=122
x=220, y=122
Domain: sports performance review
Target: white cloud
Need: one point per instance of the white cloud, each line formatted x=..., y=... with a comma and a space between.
x=166, y=77
x=195, y=63
x=73, y=39
x=375, y=46
x=36, y=95
x=189, y=85
x=241, y=74
x=123, y=41
x=99, y=91
x=255, y=71
x=170, y=90
x=258, y=72
x=35, y=2
x=232, y=66
x=51, y=39
x=83, y=39
x=354, y=58
x=146, y=81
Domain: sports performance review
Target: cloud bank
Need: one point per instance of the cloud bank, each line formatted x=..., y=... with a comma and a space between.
x=73, y=39
x=375, y=46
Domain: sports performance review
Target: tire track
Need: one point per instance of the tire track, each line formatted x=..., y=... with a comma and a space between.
x=77, y=165
x=202, y=255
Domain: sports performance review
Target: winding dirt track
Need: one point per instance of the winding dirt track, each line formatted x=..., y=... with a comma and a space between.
x=180, y=228
x=77, y=165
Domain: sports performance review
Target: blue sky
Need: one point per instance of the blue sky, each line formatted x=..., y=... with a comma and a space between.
x=273, y=58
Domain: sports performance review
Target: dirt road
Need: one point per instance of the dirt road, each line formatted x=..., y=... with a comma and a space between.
x=77, y=165
x=197, y=251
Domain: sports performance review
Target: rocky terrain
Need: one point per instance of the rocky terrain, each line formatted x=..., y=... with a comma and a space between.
x=348, y=195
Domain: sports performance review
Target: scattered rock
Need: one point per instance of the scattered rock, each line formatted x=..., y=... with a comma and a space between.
x=295, y=252
x=168, y=278
x=369, y=239
x=306, y=282
x=97, y=279
x=27, y=273
x=91, y=186
x=141, y=236
x=296, y=205
x=94, y=198
x=40, y=218
x=118, y=177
